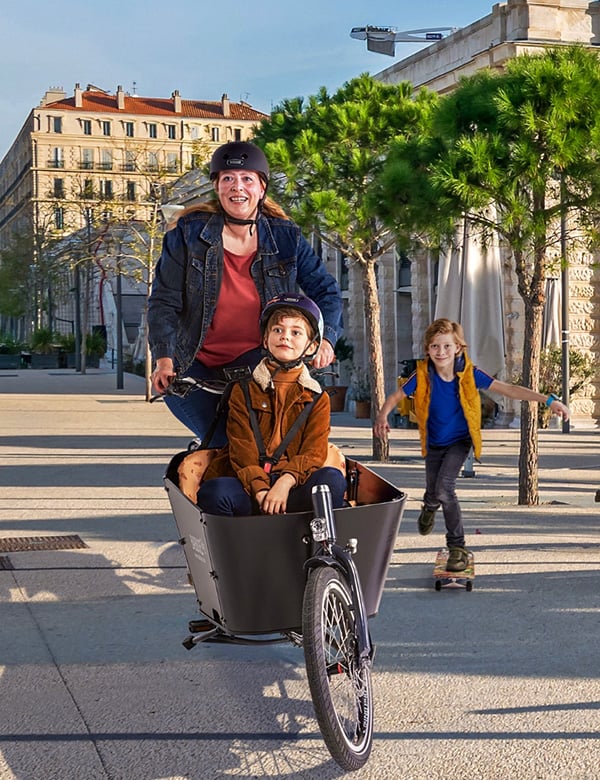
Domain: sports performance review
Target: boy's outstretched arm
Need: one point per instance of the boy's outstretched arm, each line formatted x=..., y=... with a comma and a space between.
x=520, y=393
x=381, y=425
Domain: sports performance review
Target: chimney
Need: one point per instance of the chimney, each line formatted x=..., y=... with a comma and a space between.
x=78, y=96
x=225, y=105
x=52, y=95
x=176, y=102
x=120, y=98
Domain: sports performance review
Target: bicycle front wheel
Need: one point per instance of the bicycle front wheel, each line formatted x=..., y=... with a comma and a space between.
x=340, y=684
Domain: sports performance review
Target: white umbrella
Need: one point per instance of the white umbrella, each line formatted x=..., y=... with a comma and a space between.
x=551, y=321
x=470, y=292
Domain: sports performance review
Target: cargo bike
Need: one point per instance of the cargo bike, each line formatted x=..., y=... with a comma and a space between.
x=263, y=579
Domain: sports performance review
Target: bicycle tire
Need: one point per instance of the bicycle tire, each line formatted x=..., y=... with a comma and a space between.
x=340, y=684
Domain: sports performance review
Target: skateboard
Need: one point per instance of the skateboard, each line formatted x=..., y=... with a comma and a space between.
x=452, y=579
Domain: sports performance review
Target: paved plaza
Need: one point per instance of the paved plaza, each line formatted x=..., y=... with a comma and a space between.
x=502, y=682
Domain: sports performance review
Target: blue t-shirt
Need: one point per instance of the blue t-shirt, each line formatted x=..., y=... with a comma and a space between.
x=446, y=423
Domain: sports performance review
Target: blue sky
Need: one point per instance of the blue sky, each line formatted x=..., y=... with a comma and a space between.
x=261, y=51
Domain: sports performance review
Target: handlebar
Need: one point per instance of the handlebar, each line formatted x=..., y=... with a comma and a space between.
x=183, y=386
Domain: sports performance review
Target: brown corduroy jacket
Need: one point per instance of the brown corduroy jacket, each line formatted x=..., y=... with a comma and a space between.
x=306, y=452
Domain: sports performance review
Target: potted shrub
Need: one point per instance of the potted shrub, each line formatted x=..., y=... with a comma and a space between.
x=360, y=390
x=344, y=352
x=45, y=346
x=581, y=370
x=95, y=348
x=9, y=352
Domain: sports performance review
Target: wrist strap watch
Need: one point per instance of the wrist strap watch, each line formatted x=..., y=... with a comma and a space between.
x=551, y=398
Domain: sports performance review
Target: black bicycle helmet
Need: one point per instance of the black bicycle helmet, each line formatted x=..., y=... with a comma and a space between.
x=239, y=155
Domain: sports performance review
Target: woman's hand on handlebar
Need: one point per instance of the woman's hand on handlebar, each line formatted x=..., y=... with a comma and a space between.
x=162, y=374
x=325, y=356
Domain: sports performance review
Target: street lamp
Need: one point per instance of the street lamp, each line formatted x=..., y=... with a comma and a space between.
x=383, y=40
x=564, y=290
x=77, y=317
x=119, y=325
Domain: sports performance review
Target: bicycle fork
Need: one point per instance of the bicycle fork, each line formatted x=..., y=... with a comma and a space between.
x=324, y=533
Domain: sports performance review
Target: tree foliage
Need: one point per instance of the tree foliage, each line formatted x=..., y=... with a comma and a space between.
x=326, y=153
x=515, y=153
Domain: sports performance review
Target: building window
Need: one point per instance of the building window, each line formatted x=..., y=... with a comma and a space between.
x=404, y=271
x=196, y=160
x=59, y=218
x=130, y=190
x=129, y=164
x=105, y=127
x=87, y=126
x=57, y=160
x=57, y=124
x=129, y=129
x=342, y=271
x=59, y=188
x=106, y=162
x=87, y=159
x=88, y=189
x=152, y=161
x=194, y=133
x=171, y=132
x=237, y=134
x=172, y=162
x=106, y=188
x=152, y=130
x=214, y=134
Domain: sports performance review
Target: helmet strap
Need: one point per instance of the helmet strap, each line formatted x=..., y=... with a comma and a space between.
x=287, y=365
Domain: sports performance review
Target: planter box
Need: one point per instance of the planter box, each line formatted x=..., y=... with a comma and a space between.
x=10, y=361
x=337, y=397
x=91, y=361
x=362, y=410
x=45, y=361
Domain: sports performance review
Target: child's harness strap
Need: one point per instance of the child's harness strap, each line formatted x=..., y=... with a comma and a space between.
x=268, y=461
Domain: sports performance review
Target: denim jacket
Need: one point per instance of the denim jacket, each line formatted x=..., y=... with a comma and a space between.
x=188, y=277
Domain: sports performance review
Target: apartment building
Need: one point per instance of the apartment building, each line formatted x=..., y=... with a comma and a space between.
x=84, y=162
x=119, y=149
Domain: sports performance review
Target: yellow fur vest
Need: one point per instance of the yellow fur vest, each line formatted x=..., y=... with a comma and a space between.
x=469, y=400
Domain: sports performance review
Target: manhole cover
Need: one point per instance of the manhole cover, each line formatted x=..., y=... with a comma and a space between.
x=5, y=562
x=28, y=543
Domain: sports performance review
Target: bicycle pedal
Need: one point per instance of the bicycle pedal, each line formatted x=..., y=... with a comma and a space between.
x=199, y=626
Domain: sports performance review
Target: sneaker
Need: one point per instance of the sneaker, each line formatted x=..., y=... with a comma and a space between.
x=426, y=520
x=458, y=559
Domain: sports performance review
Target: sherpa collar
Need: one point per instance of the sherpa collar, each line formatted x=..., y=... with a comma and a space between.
x=262, y=377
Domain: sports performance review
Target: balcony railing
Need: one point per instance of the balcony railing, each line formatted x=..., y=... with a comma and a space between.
x=86, y=165
x=56, y=163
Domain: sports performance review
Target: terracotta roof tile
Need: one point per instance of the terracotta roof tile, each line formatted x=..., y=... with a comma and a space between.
x=101, y=102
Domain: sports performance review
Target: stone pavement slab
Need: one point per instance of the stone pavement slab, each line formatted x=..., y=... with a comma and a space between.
x=94, y=681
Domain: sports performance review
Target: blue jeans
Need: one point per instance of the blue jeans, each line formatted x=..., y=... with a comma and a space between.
x=199, y=409
x=442, y=465
x=226, y=496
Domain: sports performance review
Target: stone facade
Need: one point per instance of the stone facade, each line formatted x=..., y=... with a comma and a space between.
x=513, y=28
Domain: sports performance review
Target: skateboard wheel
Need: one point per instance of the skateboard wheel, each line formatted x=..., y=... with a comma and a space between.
x=438, y=585
x=469, y=585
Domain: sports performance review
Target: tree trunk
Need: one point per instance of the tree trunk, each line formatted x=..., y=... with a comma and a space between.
x=528, y=453
x=381, y=447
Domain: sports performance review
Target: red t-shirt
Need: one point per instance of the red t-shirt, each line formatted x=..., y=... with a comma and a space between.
x=235, y=325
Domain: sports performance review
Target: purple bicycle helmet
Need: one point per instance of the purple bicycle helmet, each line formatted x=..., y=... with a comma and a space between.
x=305, y=306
